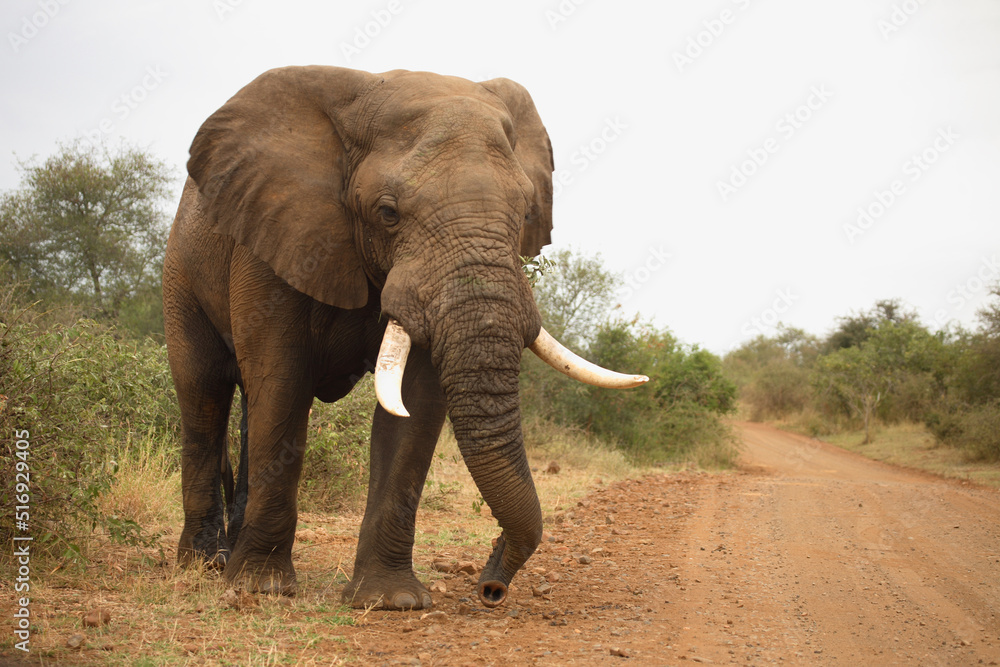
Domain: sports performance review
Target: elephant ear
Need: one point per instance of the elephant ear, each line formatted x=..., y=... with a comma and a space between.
x=270, y=166
x=534, y=151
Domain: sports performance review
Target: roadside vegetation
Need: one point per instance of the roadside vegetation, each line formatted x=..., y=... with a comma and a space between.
x=882, y=375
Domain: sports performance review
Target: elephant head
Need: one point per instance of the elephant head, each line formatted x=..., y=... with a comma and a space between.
x=423, y=191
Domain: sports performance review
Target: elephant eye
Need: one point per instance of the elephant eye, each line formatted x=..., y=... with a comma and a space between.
x=390, y=216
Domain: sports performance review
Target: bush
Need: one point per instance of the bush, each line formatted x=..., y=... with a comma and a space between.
x=778, y=389
x=675, y=418
x=335, y=471
x=76, y=388
x=772, y=373
x=972, y=428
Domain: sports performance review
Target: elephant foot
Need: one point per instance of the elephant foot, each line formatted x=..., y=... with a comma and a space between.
x=210, y=549
x=270, y=578
x=394, y=591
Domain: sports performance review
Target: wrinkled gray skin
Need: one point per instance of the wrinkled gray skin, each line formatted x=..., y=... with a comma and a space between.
x=321, y=201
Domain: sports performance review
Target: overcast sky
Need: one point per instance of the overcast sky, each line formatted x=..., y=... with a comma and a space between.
x=738, y=161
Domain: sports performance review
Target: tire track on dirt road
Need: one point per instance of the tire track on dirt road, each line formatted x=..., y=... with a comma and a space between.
x=842, y=560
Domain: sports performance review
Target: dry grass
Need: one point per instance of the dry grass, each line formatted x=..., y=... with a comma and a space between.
x=147, y=484
x=913, y=446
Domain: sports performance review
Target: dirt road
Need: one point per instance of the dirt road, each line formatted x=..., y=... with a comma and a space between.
x=808, y=554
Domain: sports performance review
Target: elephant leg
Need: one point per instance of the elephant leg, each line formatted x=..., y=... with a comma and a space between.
x=277, y=418
x=198, y=362
x=401, y=453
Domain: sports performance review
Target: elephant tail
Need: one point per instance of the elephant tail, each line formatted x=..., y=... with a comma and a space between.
x=227, y=479
x=236, y=495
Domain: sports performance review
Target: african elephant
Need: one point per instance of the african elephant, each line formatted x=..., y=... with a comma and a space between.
x=322, y=206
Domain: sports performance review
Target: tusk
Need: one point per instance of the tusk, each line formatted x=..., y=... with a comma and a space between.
x=565, y=361
x=389, y=369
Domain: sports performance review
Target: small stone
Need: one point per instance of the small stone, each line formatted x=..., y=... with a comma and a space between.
x=619, y=652
x=434, y=617
x=464, y=609
x=608, y=519
x=76, y=641
x=584, y=559
x=553, y=468
x=441, y=565
x=284, y=601
x=229, y=599
x=424, y=658
x=512, y=613
x=190, y=648
x=200, y=608
x=438, y=587
x=541, y=590
x=552, y=577
x=466, y=567
x=96, y=618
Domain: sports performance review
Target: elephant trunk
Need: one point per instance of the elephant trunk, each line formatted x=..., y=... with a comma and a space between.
x=485, y=412
x=480, y=329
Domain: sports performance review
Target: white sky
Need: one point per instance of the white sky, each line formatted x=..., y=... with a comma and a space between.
x=775, y=243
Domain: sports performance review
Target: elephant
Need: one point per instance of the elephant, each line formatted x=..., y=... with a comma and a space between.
x=335, y=222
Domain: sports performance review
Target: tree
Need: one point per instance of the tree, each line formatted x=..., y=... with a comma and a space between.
x=575, y=297
x=854, y=329
x=864, y=376
x=87, y=225
x=977, y=373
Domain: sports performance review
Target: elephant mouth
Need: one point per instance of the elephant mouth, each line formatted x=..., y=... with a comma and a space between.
x=396, y=346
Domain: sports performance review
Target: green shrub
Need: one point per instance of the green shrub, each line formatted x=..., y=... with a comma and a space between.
x=335, y=471
x=76, y=388
x=675, y=418
x=972, y=428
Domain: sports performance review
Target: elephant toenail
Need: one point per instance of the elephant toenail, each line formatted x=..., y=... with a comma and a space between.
x=404, y=601
x=427, y=601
